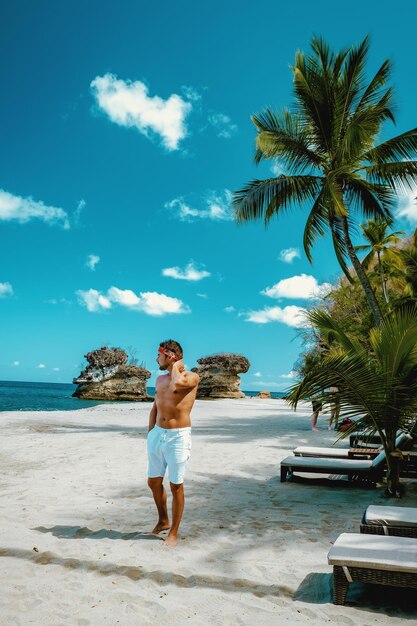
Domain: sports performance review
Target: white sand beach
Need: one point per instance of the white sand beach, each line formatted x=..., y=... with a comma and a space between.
x=76, y=510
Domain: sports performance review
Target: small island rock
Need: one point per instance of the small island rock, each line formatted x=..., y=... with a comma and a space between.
x=219, y=375
x=108, y=377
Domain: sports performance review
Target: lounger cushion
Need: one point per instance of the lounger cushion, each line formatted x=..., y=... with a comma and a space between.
x=390, y=516
x=312, y=451
x=395, y=554
x=329, y=465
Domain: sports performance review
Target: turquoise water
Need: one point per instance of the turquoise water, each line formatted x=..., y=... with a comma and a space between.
x=23, y=396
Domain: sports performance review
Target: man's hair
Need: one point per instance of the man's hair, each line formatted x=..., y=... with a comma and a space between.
x=172, y=345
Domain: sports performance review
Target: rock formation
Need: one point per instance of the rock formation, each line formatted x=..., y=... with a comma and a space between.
x=219, y=375
x=108, y=377
x=264, y=395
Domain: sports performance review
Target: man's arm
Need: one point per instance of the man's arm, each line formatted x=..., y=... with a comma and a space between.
x=152, y=416
x=181, y=379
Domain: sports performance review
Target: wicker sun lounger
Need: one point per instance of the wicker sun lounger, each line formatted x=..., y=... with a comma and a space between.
x=379, y=560
x=398, y=521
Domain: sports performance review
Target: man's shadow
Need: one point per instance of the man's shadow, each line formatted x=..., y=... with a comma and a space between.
x=83, y=532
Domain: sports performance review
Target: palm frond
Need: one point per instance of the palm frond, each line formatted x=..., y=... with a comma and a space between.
x=403, y=147
x=316, y=225
x=372, y=93
x=397, y=175
x=371, y=199
x=281, y=135
x=265, y=198
x=339, y=246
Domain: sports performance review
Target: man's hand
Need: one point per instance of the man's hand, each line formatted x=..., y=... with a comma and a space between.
x=178, y=367
x=180, y=378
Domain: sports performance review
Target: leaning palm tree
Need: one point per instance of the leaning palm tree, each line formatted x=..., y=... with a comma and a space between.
x=328, y=145
x=379, y=242
x=378, y=386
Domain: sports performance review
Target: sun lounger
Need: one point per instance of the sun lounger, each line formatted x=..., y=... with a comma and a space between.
x=337, y=453
x=398, y=521
x=402, y=441
x=361, y=439
x=370, y=470
x=379, y=560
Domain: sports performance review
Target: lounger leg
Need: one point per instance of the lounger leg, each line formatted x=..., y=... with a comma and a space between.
x=284, y=472
x=340, y=585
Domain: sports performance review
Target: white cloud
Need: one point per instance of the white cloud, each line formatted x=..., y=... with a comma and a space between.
x=92, y=261
x=55, y=301
x=127, y=103
x=217, y=207
x=15, y=363
x=202, y=295
x=190, y=272
x=157, y=304
x=297, y=287
x=149, y=302
x=124, y=297
x=41, y=366
x=289, y=254
x=93, y=300
x=5, y=290
x=407, y=206
x=257, y=374
x=223, y=125
x=230, y=309
x=190, y=93
x=77, y=213
x=291, y=375
x=56, y=369
x=277, y=168
x=261, y=383
x=294, y=316
x=25, y=209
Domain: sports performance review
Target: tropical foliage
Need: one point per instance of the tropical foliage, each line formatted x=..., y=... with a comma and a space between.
x=328, y=144
x=378, y=384
x=378, y=246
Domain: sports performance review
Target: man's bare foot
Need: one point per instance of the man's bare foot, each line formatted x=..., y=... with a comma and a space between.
x=171, y=541
x=160, y=527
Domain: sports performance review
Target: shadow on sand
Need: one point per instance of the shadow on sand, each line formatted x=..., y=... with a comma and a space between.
x=83, y=532
x=317, y=588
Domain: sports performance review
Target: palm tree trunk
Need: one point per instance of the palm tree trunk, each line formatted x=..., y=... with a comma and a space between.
x=360, y=273
x=381, y=274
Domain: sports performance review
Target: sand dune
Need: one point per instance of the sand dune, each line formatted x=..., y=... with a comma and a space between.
x=76, y=512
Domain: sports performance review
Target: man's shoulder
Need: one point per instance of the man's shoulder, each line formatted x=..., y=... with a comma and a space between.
x=161, y=379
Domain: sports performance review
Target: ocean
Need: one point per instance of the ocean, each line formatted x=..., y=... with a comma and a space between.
x=24, y=396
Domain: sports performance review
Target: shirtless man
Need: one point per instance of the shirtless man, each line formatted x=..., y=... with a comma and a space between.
x=169, y=435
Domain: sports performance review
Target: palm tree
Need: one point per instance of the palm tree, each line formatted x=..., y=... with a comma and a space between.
x=378, y=386
x=327, y=143
x=404, y=278
x=375, y=232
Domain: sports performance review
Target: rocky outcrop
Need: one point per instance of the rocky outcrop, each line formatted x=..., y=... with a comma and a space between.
x=264, y=395
x=108, y=377
x=219, y=375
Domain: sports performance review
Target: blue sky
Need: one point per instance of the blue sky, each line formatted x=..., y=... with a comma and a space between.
x=125, y=127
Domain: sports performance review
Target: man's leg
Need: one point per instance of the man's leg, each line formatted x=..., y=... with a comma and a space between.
x=177, y=511
x=160, y=497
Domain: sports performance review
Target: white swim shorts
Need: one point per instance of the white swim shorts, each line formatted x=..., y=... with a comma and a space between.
x=168, y=447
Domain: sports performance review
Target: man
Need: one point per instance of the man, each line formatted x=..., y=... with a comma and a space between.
x=169, y=435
